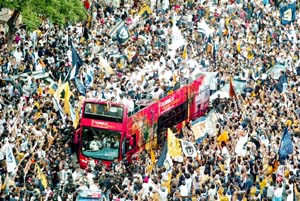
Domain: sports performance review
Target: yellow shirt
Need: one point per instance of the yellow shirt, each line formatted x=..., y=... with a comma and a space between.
x=252, y=191
x=262, y=185
x=224, y=198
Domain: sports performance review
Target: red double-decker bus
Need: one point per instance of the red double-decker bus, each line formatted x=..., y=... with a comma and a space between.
x=108, y=132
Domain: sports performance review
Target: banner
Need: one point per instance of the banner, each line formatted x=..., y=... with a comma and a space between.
x=288, y=13
x=188, y=149
x=121, y=32
x=174, y=147
x=205, y=126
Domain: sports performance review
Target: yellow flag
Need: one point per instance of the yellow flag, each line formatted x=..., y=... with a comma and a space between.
x=269, y=40
x=40, y=91
x=67, y=107
x=238, y=46
x=145, y=11
x=174, y=147
x=250, y=54
x=67, y=104
x=152, y=155
x=184, y=54
x=223, y=137
x=228, y=19
x=77, y=112
x=41, y=176
x=167, y=182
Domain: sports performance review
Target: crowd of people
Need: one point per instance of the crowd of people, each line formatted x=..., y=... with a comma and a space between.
x=247, y=40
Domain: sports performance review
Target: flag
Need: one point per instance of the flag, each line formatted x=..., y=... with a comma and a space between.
x=250, y=54
x=77, y=112
x=201, y=139
x=165, y=159
x=10, y=158
x=145, y=12
x=288, y=13
x=76, y=64
x=152, y=155
x=223, y=137
x=177, y=38
x=67, y=104
x=57, y=106
x=228, y=19
x=204, y=28
x=121, y=32
x=87, y=4
x=80, y=87
x=105, y=65
x=238, y=48
x=41, y=176
x=286, y=145
x=188, y=149
x=282, y=83
x=89, y=77
x=174, y=147
x=231, y=90
x=240, y=148
x=184, y=54
x=52, y=88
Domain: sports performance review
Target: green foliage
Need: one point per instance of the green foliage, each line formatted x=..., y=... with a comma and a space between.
x=58, y=11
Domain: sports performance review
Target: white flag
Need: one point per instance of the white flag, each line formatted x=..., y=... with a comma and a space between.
x=240, y=149
x=188, y=149
x=177, y=38
x=10, y=158
x=204, y=28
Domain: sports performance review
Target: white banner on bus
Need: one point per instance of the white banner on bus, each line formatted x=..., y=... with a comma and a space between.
x=188, y=149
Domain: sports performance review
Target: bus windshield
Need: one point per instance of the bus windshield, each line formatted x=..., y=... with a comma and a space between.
x=103, y=112
x=100, y=144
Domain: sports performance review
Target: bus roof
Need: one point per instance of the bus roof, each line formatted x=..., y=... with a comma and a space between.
x=147, y=98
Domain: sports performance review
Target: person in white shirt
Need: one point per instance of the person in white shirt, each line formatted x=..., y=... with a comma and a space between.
x=82, y=187
x=183, y=189
x=278, y=192
x=64, y=174
x=212, y=192
x=290, y=196
x=163, y=194
x=188, y=182
x=115, y=96
x=77, y=175
x=18, y=55
x=130, y=104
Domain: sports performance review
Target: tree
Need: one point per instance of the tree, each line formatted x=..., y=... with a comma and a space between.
x=33, y=11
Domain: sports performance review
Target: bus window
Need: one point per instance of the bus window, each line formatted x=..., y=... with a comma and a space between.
x=100, y=144
x=103, y=112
